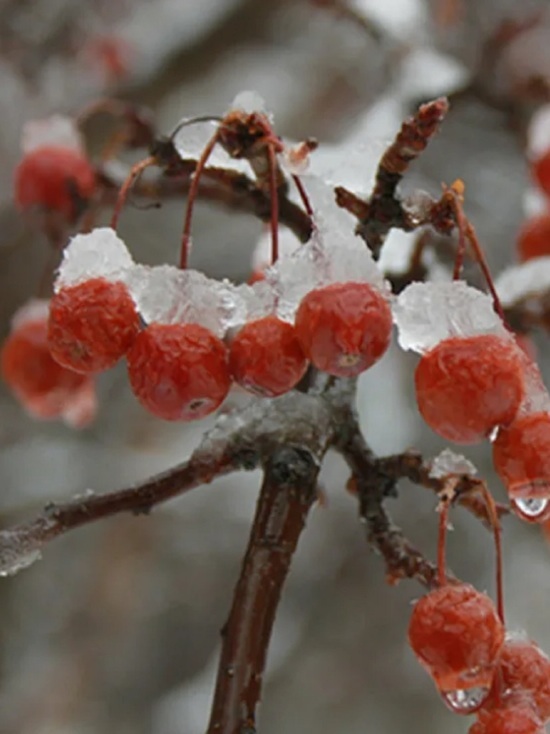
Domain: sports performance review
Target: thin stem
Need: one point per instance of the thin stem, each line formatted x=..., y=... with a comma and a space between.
x=442, y=542
x=303, y=195
x=274, y=194
x=461, y=250
x=193, y=190
x=126, y=186
x=497, y=533
x=280, y=517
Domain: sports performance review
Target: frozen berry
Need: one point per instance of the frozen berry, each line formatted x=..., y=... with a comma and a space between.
x=523, y=672
x=178, y=371
x=456, y=634
x=45, y=388
x=344, y=328
x=466, y=386
x=541, y=172
x=517, y=718
x=534, y=237
x=266, y=358
x=521, y=456
x=92, y=324
x=56, y=178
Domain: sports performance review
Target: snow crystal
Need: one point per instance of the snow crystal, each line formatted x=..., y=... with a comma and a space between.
x=57, y=130
x=249, y=102
x=100, y=253
x=34, y=310
x=18, y=550
x=167, y=295
x=522, y=281
x=447, y=462
x=427, y=313
x=258, y=300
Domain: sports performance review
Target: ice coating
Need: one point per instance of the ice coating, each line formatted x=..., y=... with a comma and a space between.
x=448, y=462
x=523, y=281
x=37, y=309
x=332, y=255
x=536, y=398
x=18, y=550
x=56, y=130
x=100, y=253
x=427, y=313
x=167, y=295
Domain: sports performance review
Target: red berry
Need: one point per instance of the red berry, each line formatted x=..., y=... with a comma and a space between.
x=521, y=456
x=92, y=325
x=54, y=177
x=517, y=718
x=266, y=357
x=534, y=237
x=344, y=328
x=178, y=371
x=541, y=172
x=466, y=386
x=456, y=634
x=523, y=672
x=44, y=387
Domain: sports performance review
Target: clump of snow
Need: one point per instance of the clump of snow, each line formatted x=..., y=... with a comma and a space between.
x=248, y=102
x=98, y=254
x=427, y=313
x=261, y=255
x=538, y=133
x=519, y=282
x=56, y=130
x=448, y=463
x=395, y=256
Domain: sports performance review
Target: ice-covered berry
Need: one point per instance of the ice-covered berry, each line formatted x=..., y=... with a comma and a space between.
x=521, y=456
x=178, y=371
x=266, y=358
x=344, y=328
x=456, y=634
x=516, y=718
x=466, y=386
x=523, y=672
x=45, y=388
x=534, y=237
x=92, y=324
x=56, y=178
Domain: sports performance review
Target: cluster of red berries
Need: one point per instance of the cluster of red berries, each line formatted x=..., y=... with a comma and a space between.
x=183, y=371
x=458, y=637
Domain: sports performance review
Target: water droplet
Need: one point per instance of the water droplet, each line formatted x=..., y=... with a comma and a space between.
x=465, y=701
x=531, y=509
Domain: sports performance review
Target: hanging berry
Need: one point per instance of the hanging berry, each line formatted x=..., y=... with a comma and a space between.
x=534, y=237
x=541, y=171
x=515, y=718
x=92, y=324
x=266, y=358
x=344, y=328
x=178, y=371
x=521, y=456
x=45, y=388
x=456, y=634
x=467, y=386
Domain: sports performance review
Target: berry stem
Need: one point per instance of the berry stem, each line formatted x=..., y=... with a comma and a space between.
x=442, y=541
x=303, y=195
x=193, y=190
x=497, y=533
x=126, y=186
x=272, y=159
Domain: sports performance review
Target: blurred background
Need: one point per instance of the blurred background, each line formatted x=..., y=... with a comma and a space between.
x=117, y=628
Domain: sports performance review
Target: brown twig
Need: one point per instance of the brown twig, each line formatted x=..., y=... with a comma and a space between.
x=288, y=492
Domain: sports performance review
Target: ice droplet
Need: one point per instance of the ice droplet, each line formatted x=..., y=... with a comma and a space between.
x=465, y=701
x=447, y=462
x=531, y=509
x=427, y=313
x=99, y=253
x=18, y=550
